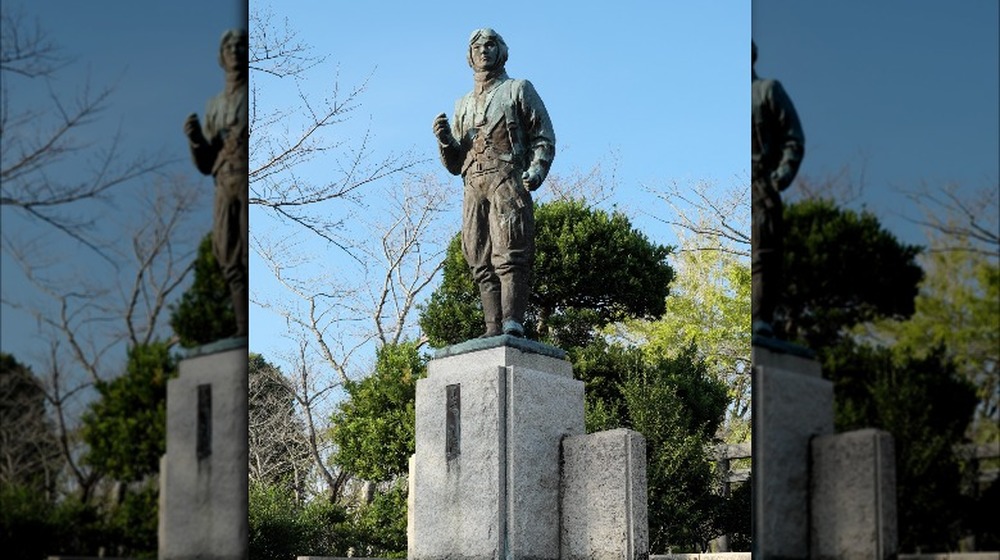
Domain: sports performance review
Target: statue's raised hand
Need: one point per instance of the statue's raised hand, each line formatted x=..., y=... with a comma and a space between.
x=192, y=128
x=442, y=130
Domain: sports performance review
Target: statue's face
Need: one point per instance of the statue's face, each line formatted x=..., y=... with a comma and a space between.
x=485, y=53
x=234, y=54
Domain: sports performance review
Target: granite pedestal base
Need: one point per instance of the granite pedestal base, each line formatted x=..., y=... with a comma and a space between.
x=203, y=476
x=503, y=470
x=792, y=403
x=485, y=477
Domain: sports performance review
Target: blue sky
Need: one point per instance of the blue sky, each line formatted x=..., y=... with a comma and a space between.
x=656, y=90
x=161, y=57
x=907, y=93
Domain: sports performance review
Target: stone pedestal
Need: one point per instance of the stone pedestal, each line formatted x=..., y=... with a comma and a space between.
x=604, y=496
x=792, y=403
x=853, y=505
x=485, y=478
x=203, y=476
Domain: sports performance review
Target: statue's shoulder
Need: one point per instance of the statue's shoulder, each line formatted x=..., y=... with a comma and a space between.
x=523, y=90
x=765, y=84
x=517, y=85
x=768, y=90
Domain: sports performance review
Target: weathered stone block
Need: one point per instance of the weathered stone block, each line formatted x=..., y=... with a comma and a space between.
x=791, y=404
x=203, y=478
x=604, y=514
x=485, y=476
x=854, y=496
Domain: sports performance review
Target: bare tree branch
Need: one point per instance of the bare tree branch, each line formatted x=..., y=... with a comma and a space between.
x=721, y=220
x=41, y=145
x=25, y=49
x=967, y=221
x=287, y=137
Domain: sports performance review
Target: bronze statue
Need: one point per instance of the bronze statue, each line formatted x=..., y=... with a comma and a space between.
x=502, y=144
x=778, y=147
x=220, y=148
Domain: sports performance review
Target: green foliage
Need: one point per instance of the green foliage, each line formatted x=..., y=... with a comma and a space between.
x=378, y=529
x=927, y=407
x=597, y=265
x=453, y=313
x=125, y=429
x=591, y=268
x=958, y=307
x=374, y=427
x=841, y=269
x=27, y=530
x=34, y=526
x=205, y=311
x=132, y=525
x=604, y=368
x=282, y=528
x=678, y=406
x=27, y=438
x=709, y=307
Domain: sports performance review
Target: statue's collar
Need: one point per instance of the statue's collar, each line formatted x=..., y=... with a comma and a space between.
x=485, y=81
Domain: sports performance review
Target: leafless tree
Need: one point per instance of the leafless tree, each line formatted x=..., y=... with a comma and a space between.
x=91, y=315
x=597, y=185
x=280, y=452
x=87, y=320
x=376, y=216
x=39, y=140
x=335, y=316
x=964, y=220
x=846, y=186
x=29, y=452
x=720, y=217
x=288, y=135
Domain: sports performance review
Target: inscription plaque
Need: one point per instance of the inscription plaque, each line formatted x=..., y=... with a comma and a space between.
x=204, y=421
x=453, y=421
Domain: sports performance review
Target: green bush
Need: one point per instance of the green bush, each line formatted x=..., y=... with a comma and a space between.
x=282, y=528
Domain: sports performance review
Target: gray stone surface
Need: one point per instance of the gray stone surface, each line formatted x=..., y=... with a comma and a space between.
x=952, y=556
x=791, y=404
x=499, y=496
x=777, y=356
x=779, y=346
x=203, y=502
x=489, y=358
x=604, y=514
x=703, y=556
x=853, y=506
x=522, y=344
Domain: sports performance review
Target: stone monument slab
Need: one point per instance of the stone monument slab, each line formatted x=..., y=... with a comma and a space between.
x=485, y=477
x=853, y=505
x=604, y=496
x=791, y=405
x=203, y=475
